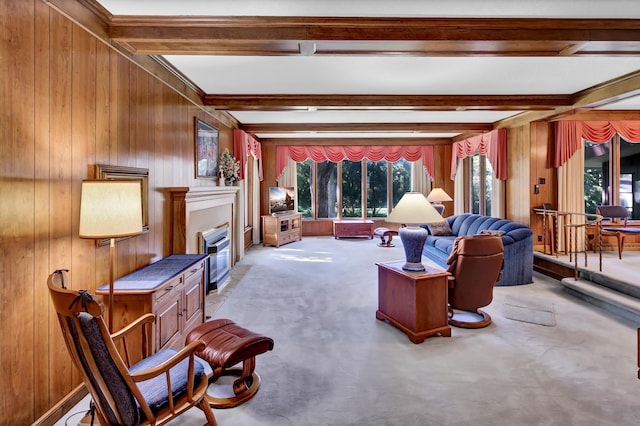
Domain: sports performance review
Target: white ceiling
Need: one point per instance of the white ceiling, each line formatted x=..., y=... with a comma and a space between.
x=392, y=74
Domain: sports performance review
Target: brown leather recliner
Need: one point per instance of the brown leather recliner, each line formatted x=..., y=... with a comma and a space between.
x=475, y=265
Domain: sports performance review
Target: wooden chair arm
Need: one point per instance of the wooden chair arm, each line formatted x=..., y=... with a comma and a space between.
x=186, y=352
x=121, y=336
x=144, y=319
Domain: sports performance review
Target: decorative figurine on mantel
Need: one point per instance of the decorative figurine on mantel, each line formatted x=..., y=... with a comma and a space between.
x=229, y=169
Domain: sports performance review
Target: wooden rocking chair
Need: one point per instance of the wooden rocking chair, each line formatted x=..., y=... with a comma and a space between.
x=153, y=391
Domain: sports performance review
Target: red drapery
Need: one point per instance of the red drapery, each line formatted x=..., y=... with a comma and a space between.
x=243, y=145
x=354, y=153
x=493, y=145
x=569, y=135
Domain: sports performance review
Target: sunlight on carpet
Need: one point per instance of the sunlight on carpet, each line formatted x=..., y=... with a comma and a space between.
x=529, y=309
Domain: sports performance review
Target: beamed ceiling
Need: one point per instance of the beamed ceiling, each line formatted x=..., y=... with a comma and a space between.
x=420, y=72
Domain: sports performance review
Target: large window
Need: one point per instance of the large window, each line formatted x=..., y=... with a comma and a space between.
x=329, y=190
x=611, y=175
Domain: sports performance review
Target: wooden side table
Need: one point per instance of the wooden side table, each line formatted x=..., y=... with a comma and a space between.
x=414, y=302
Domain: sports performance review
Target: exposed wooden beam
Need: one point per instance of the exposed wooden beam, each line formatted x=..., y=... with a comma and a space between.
x=366, y=127
x=269, y=35
x=277, y=102
x=400, y=141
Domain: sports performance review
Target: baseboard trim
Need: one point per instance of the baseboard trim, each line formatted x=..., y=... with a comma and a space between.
x=62, y=407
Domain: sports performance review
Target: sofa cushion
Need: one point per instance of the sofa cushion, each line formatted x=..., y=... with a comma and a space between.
x=440, y=228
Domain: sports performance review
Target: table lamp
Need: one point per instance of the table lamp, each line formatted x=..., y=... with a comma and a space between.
x=436, y=197
x=413, y=209
x=110, y=209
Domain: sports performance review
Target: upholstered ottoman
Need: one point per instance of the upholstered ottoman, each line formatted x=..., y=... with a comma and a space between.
x=227, y=344
x=386, y=235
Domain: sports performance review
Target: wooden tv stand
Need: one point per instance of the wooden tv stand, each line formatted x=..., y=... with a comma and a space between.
x=281, y=228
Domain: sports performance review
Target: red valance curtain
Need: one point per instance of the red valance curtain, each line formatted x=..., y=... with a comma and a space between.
x=569, y=135
x=243, y=145
x=354, y=153
x=493, y=145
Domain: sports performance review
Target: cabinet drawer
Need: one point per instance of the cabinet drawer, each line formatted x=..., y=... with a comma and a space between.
x=195, y=269
x=171, y=289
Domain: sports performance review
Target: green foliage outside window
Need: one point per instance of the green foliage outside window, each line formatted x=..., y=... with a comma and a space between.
x=592, y=189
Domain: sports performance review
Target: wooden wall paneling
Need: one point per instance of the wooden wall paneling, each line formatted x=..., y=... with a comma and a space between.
x=269, y=176
x=17, y=211
x=47, y=322
x=518, y=188
x=442, y=173
x=61, y=201
x=541, y=169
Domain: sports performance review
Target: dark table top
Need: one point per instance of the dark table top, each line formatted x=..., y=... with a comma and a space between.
x=153, y=275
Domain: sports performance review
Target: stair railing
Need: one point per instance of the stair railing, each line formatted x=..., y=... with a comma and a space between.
x=572, y=222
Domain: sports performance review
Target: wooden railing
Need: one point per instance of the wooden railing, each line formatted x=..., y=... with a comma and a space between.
x=571, y=223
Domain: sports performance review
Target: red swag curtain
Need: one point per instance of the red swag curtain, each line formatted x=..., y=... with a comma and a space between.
x=493, y=145
x=569, y=135
x=354, y=153
x=243, y=145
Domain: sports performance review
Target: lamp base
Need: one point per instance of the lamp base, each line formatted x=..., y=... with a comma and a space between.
x=413, y=238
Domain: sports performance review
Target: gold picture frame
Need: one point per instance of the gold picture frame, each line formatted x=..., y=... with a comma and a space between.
x=109, y=172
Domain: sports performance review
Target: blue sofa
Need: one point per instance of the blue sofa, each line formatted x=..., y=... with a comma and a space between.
x=517, y=240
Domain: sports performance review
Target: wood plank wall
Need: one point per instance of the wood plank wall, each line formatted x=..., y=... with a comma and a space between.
x=518, y=186
x=70, y=101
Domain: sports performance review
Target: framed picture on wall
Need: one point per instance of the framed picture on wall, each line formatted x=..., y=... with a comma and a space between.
x=206, y=150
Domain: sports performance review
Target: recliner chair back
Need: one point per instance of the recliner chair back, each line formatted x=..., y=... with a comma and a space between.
x=475, y=264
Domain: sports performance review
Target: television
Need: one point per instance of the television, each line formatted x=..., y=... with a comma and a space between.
x=281, y=199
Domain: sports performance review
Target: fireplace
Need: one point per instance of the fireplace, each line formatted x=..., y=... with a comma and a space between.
x=216, y=242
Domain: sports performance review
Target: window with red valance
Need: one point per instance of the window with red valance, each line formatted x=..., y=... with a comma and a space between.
x=354, y=153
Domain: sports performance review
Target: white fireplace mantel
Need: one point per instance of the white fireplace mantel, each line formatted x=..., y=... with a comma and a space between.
x=194, y=209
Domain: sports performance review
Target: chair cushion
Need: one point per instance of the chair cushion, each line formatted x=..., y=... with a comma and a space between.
x=155, y=390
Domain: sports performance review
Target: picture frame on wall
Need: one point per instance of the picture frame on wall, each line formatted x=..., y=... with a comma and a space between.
x=207, y=148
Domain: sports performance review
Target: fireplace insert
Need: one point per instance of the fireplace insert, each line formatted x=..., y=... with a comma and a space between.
x=216, y=242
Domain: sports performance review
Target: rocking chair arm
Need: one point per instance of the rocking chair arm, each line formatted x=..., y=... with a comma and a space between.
x=144, y=319
x=186, y=352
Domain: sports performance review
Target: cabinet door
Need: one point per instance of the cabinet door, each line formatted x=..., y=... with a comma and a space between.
x=193, y=302
x=168, y=320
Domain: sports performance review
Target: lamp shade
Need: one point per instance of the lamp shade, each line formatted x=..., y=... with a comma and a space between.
x=110, y=209
x=413, y=208
x=437, y=195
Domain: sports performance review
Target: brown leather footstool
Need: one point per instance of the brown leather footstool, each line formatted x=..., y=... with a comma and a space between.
x=227, y=344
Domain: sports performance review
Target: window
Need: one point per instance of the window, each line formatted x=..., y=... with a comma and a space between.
x=304, y=185
x=351, y=189
x=377, y=188
x=611, y=175
x=480, y=184
x=326, y=185
x=329, y=190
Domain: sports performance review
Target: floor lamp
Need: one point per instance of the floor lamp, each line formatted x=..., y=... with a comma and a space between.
x=110, y=209
x=413, y=209
x=437, y=196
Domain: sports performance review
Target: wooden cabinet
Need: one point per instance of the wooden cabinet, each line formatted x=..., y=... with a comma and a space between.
x=172, y=289
x=353, y=228
x=281, y=229
x=414, y=302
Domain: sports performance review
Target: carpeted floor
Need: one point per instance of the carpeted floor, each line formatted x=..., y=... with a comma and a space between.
x=335, y=364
